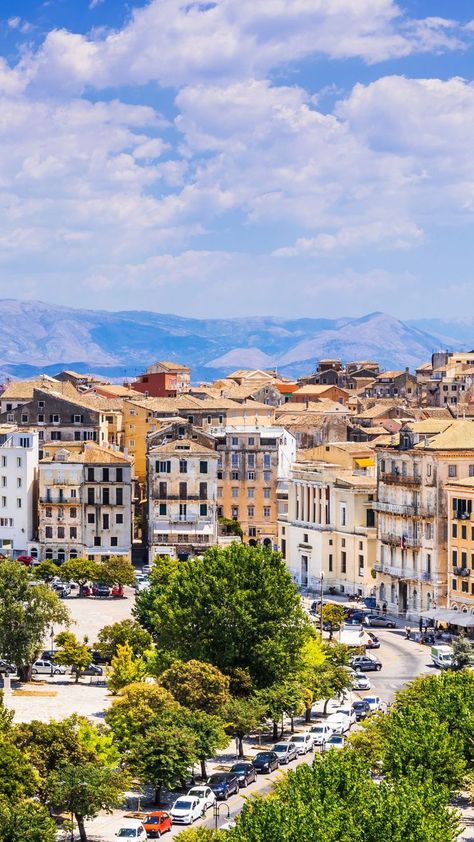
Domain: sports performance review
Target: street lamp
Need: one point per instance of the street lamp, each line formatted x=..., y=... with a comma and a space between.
x=52, y=649
x=321, y=581
x=217, y=811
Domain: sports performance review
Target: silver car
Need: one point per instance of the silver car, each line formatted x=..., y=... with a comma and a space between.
x=41, y=667
x=286, y=752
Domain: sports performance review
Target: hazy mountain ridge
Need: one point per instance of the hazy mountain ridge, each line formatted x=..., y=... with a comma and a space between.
x=37, y=336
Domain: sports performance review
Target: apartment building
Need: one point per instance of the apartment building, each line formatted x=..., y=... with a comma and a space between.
x=18, y=489
x=412, y=546
x=315, y=423
x=163, y=379
x=460, y=506
x=84, y=503
x=182, y=491
x=253, y=461
x=329, y=530
x=20, y=392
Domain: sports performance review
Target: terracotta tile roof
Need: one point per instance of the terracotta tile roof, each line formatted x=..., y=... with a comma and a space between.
x=86, y=453
x=182, y=447
x=458, y=436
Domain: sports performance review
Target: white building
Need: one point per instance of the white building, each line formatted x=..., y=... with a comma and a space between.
x=18, y=480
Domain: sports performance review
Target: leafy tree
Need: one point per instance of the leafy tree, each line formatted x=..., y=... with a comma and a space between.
x=134, y=710
x=118, y=570
x=165, y=755
x=235, y=608
x=203, y=834
x=25, y=821
x=125, y=669
x=310, y=671
x=18, y=779
x=462, y=651
x=45, y=571
x=333, y=615
x=117, y=634
x=197, y=686
x=26, y=612
x=243, y=716
x=209, y=734
x=72, y=653
x=280, y=699
x=84, y=789
x=6, y=717
x=80, y=570
x=230, y=526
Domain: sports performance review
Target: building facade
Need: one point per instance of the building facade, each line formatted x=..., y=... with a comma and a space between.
x=163, y=379
x=460, y=507
x=18, y=490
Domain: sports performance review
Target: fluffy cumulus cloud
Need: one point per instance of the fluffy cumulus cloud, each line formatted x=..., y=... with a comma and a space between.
x=127, y=201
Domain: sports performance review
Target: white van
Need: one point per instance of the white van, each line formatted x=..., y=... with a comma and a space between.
x=442, y=656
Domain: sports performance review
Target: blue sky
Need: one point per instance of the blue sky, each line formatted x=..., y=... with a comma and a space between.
x=238, y=157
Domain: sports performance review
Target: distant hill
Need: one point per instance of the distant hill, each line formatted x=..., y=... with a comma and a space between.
x=43, y=337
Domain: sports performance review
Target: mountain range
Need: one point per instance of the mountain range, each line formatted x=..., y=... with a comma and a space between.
x=38, y=337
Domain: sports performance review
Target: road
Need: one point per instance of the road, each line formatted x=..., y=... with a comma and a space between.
x=402, y=661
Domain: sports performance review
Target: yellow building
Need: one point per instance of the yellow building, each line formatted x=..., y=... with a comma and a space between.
x=461, y=543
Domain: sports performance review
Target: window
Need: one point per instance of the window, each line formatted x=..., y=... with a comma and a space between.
x=251, y=441
x=4, y=482
x=18, y=502
x=463, y=559
x=119, y=496
x=90, y=475
x=267, y=511
x=96, y=540
x=330, y=562
x=343, y=562
x=163, y=467
x=76, y=419
x=61, y=532
x=452, y=470
x=454, y=584
x=455, y=530
x=464, y=531
x=361, y=565
x=18, y=484
x=73, y=513
x=162, y=508
x=234, y=475
x=48, y=532
x=220, y=491
x=55, y=419
x=252, y=531
x=24, y=419
x=73, y=531
x=40, y=418
x=106, y=496
x=55, y=435
x=267, y=477
x=471, y=470
x=119, y=518
x=191, y=419
x=455, y=557
x=203, y=467
x=203, y=509
x=119, y=475
x=234, y=441
x=114, y=541
x=343, y=542
x=250, y=511
x=203, y=490
x=235, y=512
x=251, y=460
x=9, y=406
x=342, y=514
x=18, y=461
x=267, y=460
x=464, y=586
x=131, y=442
x=251, y=475
x=267, y=493
x=48, y=512
x=234, y=460
x=105, y=521
x=250, y=492
x=4, y=461
x=105, y=474
x=90, y=517
x=183, y=466
x=234, y=491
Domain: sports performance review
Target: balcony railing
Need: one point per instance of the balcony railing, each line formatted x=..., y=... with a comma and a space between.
x=403, y=509
x=458, y=515
x=462, y=571
x=400, y=479
x=403, y=541
x=402, y=572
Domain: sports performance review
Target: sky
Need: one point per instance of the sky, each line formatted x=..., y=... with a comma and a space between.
x=239, y=157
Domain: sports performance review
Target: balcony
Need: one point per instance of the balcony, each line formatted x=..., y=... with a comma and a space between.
x=461, y=571
x=405, y=510
x=461, y=515
x=402, y=572
x=400, y=479
x=403, y=541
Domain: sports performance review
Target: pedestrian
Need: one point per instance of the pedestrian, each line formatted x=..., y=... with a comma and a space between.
x=408, y=632
x=421, y=625
x=384, y=608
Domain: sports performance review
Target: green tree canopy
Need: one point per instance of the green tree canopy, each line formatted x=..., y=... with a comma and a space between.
x=242, y=717
x=26, y=613
x=137, y=706
x=125, y=669
x=45, y=571
x=118, y=570
x=333, y=615
x=197, y=686
x=463, y=652
x=284, y=698
x=80, y=570
x=18, y=778
x=165, y=757
x=25, y=821
x=124, y=631
x=209, y=734
x=235, y=607
x=72, y=653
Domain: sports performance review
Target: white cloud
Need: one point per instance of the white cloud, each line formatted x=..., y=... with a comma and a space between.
x=381, y=233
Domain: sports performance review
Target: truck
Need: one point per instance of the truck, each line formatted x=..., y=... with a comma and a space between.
x=442, y=656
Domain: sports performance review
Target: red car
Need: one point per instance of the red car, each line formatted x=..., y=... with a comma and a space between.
x=25, y=559
x=117, y=591
x=156, y=823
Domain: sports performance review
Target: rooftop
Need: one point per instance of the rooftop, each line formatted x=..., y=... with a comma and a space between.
x=86, y=453
x=182, y=447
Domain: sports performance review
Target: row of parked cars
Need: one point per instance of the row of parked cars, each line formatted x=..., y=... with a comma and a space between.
x=98, y=589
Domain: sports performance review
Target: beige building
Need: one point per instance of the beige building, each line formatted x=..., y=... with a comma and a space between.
x=412, y=547
x=460, y=508
x=329, y=529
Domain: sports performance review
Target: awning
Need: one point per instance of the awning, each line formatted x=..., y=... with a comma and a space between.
x=445, y=615
x=365, y=463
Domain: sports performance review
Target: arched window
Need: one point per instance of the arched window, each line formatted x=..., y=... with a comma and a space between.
x=382, y=592
x=392, y=593
x=415, y=599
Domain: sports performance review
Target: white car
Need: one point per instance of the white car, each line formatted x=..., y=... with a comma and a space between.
x=374, y=702
x=303, y=742
x=142, y=585
x=321, y=733
x=339, y=723
x=336, y=741
x=347, y=711
x=132, y=829
x=41, y=667
x=360, y=681
x=187, y=809
x=205, y=794
x=228, y=825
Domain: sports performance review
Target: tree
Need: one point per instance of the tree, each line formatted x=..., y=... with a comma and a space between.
x=45, y=571
x=332, y=615
x=26, y=613
x=310, y=669
x=209, y=734
x=80, y=570
x=25, y=821
x=230, y=526
x=165, y=755
x=86, y=788
x=134, y=710
x=197, y=686
x=118, y=570
x=280, y=699
x=462, y=651
x=242, y=717
x=117, y=634
x=72, y=653
x=125, y=669
x=234, y=608
x=18, y=779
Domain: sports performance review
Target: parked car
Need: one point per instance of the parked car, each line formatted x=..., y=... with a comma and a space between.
x=245, y=773
x=100, y=590
x=6, y=668
x=146, y=569
x=339, y=722
x=156, y=823
x=41, y=667
x=336, y=741
x=186, y=810
x=304, y=742
x=372, y=641
x=374, y=703
x=266, y=761
x=361, y=709
x=97, y=657
x=228, y=825
x=25, y=559
x=321, y=732
x=132, y=829
x=64, y=590
x=360, y=681
x=365, y=663
x=205, y=793
x=346, y=710
x=379, y=620
x=117, y=591
x=286, y=752
x=223, y=785
x=92, y=669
